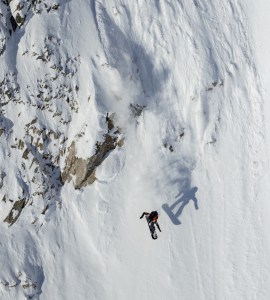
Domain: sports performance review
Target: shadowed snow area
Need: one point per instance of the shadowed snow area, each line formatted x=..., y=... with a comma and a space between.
x=112, y=108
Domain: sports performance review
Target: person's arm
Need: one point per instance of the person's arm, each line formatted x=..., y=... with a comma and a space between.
x=158, y=226
x=145, y=213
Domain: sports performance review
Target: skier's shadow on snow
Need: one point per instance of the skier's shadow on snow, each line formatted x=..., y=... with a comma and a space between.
x=182, y=201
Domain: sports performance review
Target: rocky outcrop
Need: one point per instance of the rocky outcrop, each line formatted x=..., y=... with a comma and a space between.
x=83, y=170
x=15, y=212
x=19, y=10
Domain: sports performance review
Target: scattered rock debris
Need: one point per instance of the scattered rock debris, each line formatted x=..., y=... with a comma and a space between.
x=136, y=110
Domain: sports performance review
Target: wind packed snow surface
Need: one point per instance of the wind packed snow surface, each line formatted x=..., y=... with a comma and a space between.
x=110, y=108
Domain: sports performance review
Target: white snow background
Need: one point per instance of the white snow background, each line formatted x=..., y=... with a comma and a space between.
x=200, y=72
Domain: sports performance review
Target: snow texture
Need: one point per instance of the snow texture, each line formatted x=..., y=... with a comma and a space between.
x=182, y=86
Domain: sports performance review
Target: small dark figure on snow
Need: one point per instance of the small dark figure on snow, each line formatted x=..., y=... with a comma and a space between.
x=151, y=218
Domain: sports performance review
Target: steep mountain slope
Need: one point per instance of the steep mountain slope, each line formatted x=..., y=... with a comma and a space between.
x=109, y=109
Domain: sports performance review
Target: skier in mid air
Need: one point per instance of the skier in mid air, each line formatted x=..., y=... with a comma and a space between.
x=151, y=219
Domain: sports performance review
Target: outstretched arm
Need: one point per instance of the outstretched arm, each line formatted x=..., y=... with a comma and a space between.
x=145, y=213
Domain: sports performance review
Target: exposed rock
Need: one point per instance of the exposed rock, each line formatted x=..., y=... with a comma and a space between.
x=19, y=19
x=120, y=143
x=136, y=110
x=45, y=209
x=170, y=147
x=7, y=2
x=55, y=6
x=15, y=212
x=20, y=145
x=31, y=123
x=110, y=121
x=2, y=45
x=84, y=169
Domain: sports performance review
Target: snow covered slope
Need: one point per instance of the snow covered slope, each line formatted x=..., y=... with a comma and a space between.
x=110, y=108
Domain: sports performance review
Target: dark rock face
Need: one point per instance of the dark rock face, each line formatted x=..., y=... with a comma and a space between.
x=13, y=23
x=15, y=212
x=19, y=20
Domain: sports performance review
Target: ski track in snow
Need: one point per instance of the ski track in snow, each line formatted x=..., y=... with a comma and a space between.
x=198, y=147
